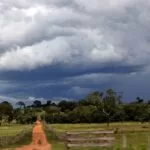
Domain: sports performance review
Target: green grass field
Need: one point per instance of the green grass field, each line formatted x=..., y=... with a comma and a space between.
x=137, y=134
x=123, y=127
x=12, y=130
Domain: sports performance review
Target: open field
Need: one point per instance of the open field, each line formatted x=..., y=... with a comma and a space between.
x=137, y=134
x=13, y=129
x=123, y=127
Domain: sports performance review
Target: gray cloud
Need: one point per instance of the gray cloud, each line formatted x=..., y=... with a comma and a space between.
x=101, y=32
x=97, y=41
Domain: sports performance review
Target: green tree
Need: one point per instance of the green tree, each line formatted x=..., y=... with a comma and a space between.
x=94, y=98
x=37, y=103
x=21, y=104
x=52, y=114
x=6, y=111
x=109, y=104
x=83, y=114
x=66, y=105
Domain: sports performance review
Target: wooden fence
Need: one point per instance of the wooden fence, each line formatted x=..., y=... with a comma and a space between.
x=89, y=139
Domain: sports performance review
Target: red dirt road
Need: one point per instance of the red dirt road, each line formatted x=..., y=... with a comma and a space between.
x=39, y=141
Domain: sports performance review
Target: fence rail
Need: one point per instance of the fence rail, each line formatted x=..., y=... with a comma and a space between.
x=89, y=139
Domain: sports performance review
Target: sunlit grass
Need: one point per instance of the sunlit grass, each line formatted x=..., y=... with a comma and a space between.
x=136, y=133
x=12, y=130
x=123, y=127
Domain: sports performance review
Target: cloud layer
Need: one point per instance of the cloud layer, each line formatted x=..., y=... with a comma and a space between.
x=45, y=33
x=60, y=39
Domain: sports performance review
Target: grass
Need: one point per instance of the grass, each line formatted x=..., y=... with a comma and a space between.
x=123, y=127
x=12, y=130
x=137, y=134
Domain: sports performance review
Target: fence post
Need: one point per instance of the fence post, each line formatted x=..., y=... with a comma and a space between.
x=66, y=140
x=124, y=144
x=148, y=143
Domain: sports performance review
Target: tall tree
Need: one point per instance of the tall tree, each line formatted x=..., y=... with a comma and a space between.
x=110, y=103
x=21, y=104
x=6, y=110
x=66, y=105
x=94, y=98
x=37, y=103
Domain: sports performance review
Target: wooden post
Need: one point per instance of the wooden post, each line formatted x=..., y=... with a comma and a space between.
x=148, y=143
x=66, y=140
x=124, y=144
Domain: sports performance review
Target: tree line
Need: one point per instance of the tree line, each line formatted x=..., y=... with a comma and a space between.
x=97, y=107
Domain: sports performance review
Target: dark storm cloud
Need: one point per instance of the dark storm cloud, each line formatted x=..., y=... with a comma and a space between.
x=63, y=48
x=58, y=72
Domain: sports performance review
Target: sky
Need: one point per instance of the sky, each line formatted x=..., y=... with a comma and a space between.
x=66, y=49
